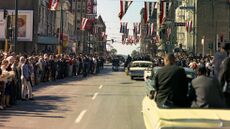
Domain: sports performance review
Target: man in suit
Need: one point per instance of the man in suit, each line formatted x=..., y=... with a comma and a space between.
x=171, y=85
x=208, y=91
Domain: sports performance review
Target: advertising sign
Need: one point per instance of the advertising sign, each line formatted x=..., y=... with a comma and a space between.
x=2, y=25
x=25, y=25
x=90, y=6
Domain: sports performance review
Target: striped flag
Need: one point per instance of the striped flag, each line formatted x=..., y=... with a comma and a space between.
x=53, y=4
x=124, y=5
x=189, y=26
x=148, y=10
x=123, y=39
x=84, y=23
x=139, y=29
x=150, y=29
x=123, y=27
x=135, y=28
x=164, y=10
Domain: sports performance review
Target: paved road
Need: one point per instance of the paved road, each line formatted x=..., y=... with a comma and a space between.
x=109, y=100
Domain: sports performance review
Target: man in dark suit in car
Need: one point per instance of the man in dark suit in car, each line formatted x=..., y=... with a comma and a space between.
x=171, y=85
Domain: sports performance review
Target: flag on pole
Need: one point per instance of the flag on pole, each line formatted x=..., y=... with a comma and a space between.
x=123, y=40
x=164, y=10
x=127, y=33
x=84, y=23
x=124, y=5
x=53, y=4
x=135, y=28
x=123, y=27
x=139, y=28
x=148, y=10
x=189, y=26
x=152, y=28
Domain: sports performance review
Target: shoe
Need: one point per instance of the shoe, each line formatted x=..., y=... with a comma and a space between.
x=31, y=98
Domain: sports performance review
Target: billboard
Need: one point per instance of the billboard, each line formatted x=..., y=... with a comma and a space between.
x=25, y=24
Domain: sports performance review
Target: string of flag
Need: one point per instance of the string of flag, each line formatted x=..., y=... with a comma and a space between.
x=124, y=5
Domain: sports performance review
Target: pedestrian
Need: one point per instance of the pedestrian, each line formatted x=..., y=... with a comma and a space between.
x=224, y=78
x=25, y=77
x=218, y=58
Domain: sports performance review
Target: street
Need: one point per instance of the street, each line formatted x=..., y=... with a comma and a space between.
x=109, y=100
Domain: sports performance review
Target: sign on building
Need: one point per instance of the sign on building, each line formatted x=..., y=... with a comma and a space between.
x=25, y=25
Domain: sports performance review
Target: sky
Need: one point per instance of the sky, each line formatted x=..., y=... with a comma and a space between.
x=109, y=10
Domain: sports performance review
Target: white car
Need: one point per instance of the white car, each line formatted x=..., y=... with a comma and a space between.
x=138, y=68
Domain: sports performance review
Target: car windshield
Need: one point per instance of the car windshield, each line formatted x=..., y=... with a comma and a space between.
x=141, y=65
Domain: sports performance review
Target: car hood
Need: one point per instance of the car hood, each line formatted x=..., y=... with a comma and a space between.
x=156, y=118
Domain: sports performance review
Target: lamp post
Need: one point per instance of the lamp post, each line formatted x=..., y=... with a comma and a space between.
x=202, y=43
x=61, y=29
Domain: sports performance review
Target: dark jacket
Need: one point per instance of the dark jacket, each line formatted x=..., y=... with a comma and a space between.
x=171, y=87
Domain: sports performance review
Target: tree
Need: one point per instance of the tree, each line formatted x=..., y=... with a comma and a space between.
x=134, y=53
x=113, y=52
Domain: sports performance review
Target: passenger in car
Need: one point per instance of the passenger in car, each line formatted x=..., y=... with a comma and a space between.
x=208, y=91
x=171, y=85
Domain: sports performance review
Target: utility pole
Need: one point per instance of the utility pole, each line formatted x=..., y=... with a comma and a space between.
x=194, y=30
x=61, y=29
x=16, y=25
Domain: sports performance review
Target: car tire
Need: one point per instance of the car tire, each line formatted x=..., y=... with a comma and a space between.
x=132, y=78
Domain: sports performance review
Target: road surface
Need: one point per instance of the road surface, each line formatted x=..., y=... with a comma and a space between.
x=109, y=100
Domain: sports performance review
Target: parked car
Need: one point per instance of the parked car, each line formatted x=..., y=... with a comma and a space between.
x=180, y=118
x=137, y=69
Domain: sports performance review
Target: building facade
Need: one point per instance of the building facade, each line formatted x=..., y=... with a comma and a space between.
x=204, y=19
x=45, y=26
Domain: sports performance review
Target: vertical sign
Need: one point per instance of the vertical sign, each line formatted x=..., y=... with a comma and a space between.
x=89, y=6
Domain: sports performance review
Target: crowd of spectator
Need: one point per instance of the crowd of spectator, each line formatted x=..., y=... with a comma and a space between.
x=209, y=89
x=19, y=73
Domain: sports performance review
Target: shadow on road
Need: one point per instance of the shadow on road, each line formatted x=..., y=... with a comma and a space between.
x=42, y=106
x=104, y=72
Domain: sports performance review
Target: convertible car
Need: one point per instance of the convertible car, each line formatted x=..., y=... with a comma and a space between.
x=177, y=118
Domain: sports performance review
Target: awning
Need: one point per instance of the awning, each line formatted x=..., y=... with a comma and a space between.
x=45, y=40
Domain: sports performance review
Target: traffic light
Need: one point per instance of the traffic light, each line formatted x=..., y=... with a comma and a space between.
x=5, y=14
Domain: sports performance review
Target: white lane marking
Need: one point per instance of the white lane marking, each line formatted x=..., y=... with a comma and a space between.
x=94, y=96
x=100, y=87
x=79, y=118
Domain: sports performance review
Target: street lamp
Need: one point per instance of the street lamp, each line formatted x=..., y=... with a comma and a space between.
x=16, y=25
x=62, y=2
x=202, y=43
